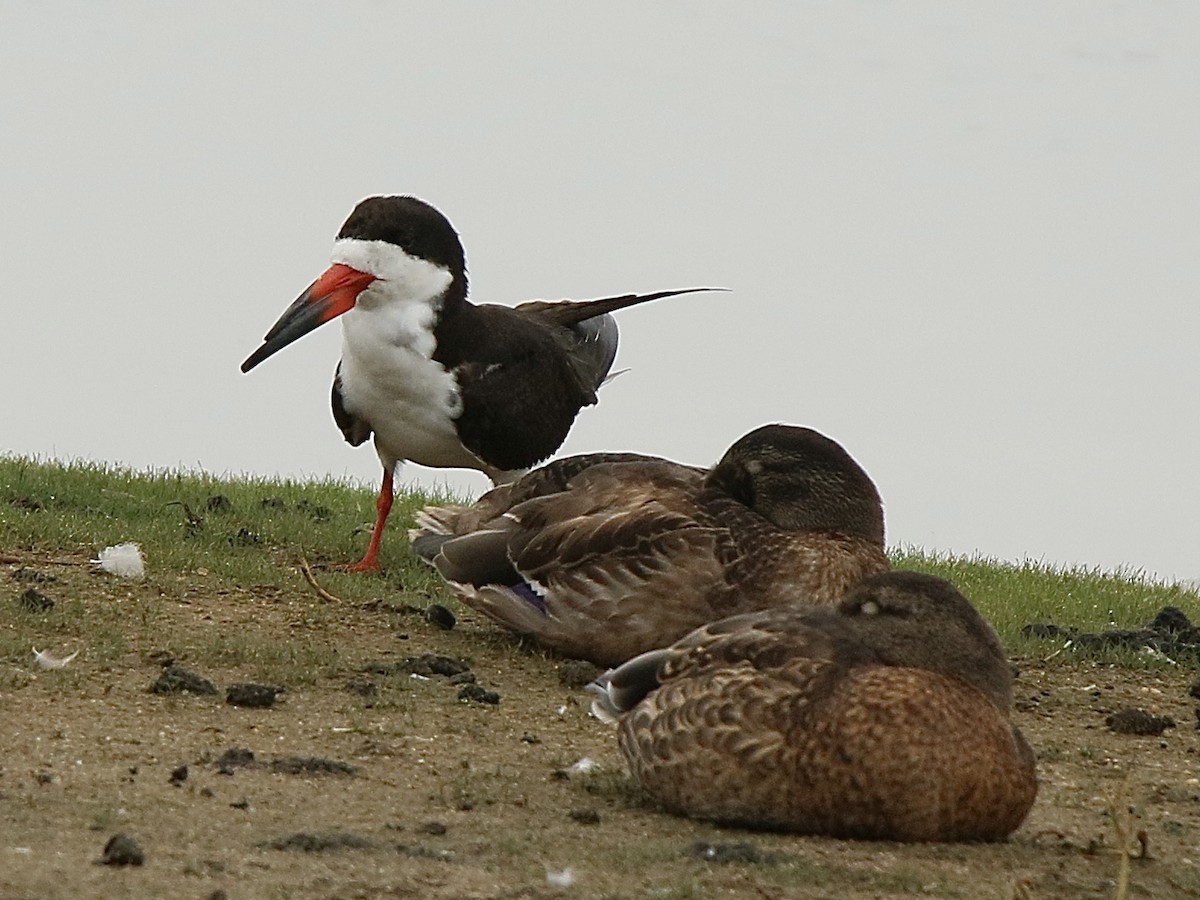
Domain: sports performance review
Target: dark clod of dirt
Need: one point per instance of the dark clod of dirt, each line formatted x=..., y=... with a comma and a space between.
x=256, y=696
x=179, y=775
x=34, y=600
x=310, y=765
x=193, y=524
x=731, y=853
x=218, y=503
x=424, y=853
x=232, y=760
x=428, y=665
x=1169, y=632
x=240, y=758
x=462, y=678
x=1194, y=690
x=315, y=511
x=1043, y=630
x=1169, y=619
x=476, y=693
x=319, y=843
x=177, y=680
x=1138, y=721
x=438, y=615
x=575, y=673
x=32, y=576
x=432, y=828
x=122, y=850
x=244, y=537
x=27, y=503
x=585, y=816
x=362, y=688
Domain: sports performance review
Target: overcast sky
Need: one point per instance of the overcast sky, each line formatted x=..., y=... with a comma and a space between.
x=962, y=239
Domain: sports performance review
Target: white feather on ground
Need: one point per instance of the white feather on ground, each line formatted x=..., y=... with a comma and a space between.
x=560, y=878
x=46, y=661
x=124, y=560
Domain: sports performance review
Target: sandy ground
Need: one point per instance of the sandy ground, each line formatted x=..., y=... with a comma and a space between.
x=378, y=783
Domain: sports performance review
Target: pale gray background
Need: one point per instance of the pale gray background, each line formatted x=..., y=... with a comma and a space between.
x=962, y=238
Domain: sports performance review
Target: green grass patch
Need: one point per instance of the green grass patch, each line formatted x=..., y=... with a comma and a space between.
x=1012, y=595
x=235, y=532
x=204, y=535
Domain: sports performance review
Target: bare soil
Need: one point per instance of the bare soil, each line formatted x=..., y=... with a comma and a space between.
x=380, y=783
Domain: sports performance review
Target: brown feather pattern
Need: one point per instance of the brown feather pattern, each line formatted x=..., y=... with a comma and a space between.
x=888, y=724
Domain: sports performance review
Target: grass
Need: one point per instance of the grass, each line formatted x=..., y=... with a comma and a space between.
x=248, y=534
x=1012, y=595
x=233, y=531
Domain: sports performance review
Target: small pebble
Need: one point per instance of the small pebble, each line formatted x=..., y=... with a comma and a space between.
x=363, y=688
x=177, y=680
x=478, y=694
x=244, y=537
x=575, y=673
x=122, y=850
x=232, y=760
x=1138, y=721
x=34, y=600
x=255, y=696
x=440, y=616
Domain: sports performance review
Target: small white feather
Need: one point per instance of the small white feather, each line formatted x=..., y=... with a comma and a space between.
x=584, y=765
x=563, y=878
x=124, y=560
x=47, y=661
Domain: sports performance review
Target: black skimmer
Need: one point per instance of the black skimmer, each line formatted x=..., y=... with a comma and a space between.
x=437, y=379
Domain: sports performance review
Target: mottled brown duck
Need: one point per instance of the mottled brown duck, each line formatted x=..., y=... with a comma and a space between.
x=884, y=717
x=607, y=556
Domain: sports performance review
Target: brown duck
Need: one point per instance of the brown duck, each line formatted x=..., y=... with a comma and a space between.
x=885, y=717
x=604, y=557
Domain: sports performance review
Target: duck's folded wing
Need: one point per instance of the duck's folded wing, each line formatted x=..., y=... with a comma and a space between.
x=555, y=477
x=607, y=586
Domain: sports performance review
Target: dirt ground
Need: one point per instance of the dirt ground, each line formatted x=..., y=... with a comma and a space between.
x=380, y=783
